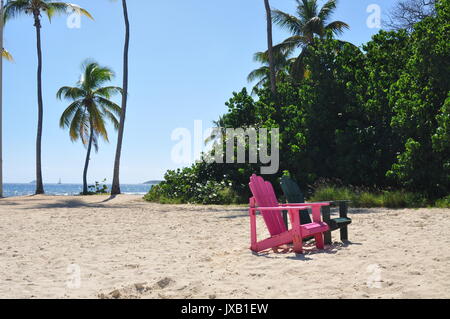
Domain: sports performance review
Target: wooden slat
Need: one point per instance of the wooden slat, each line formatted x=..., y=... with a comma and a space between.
x=265, y=197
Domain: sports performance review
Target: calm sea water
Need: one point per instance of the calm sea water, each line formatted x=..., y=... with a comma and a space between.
x=10, y=190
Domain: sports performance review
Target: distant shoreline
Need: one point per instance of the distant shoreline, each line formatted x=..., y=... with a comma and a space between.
x=55, y=189
x=25, y=183
x=152, y=182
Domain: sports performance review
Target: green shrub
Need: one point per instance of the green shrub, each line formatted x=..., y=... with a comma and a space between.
x=443, y=203
x=400, y=199
x=331, y=192
x=367, y=199
x=99, y=188
x=186, y=186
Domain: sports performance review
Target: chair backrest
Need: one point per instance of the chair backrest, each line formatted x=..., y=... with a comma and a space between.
x=294, y=195
x=265, y=197
x=291, y=190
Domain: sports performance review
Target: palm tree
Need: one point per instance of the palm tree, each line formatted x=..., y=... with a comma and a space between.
x=36, y=8
x=309, y=23
x=272, y=71
x=1, y=99
x=115, y=189
x=90, y=107
x=281, y=66
x=7, y=56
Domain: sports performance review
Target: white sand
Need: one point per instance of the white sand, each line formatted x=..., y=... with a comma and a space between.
x=128, y=248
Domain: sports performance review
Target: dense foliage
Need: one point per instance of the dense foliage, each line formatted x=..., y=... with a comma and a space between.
x=377, y=118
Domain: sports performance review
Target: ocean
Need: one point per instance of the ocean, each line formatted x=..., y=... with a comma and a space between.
x=11, y=190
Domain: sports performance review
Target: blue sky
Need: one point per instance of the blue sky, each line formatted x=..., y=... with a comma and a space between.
x=186, y=59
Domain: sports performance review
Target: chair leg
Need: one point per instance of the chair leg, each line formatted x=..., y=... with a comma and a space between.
x=344, y=233
x=326, y=213
x=343, y=211
x=327, y=237
x=319, y=241
x=297, y=239
x=298, y=244
x=253, y=237
x=286, y=219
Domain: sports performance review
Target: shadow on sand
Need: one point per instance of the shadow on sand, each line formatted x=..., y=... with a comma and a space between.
x=309, y=250
x=40, y=203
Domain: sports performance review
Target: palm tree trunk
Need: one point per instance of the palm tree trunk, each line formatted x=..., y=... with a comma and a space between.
x=86, y=163
x=115, y=189
x=273, y=80
x=1, y=99
x=39, y=183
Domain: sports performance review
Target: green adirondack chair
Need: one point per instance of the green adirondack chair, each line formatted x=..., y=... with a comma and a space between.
x=294, y=195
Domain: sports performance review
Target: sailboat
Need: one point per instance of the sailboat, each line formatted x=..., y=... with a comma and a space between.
x=59, y=183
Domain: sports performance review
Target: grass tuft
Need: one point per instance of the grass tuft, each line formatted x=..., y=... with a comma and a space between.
x=366, y=199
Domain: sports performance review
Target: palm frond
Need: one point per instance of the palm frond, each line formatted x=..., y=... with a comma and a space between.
x=94, y=75
x=261, y=57
x=84, y=129
x=108, y=105
x=75, y=123
x=70, y=93
x=307, y=9
x=112, y=118
x=327, y=10
x=7, y=56
x=13, y=9
x=289, y=45
x=108, y=91
x=313, y=26
x=97, y=121
x=287, y=21
x=337, y=27
x=68, y=114
x=53, y=8
x=95, y=141
x=258, y=74
x=259, y=85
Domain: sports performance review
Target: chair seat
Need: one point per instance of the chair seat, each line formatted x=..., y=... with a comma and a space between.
x=313, y=228
x=337, y=223
x=342, y=220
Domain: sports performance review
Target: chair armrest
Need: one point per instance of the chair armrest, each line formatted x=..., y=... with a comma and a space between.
x=321, y=204
x=309, y=205
x=281, y=208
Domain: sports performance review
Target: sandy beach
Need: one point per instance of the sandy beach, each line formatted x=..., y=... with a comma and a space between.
x=127, y=248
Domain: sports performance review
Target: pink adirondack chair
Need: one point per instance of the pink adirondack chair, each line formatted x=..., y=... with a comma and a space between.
x=265, y=201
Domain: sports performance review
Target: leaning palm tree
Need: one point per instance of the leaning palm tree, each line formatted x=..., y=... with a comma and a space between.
x=115, y=189
x=310, y=22
x=281, y=66
x=90, y=108
x=36, y=8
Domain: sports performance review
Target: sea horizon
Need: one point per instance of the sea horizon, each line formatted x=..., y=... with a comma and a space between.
x=67, y=189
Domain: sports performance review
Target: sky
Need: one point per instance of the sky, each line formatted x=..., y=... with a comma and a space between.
x=186, y=59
